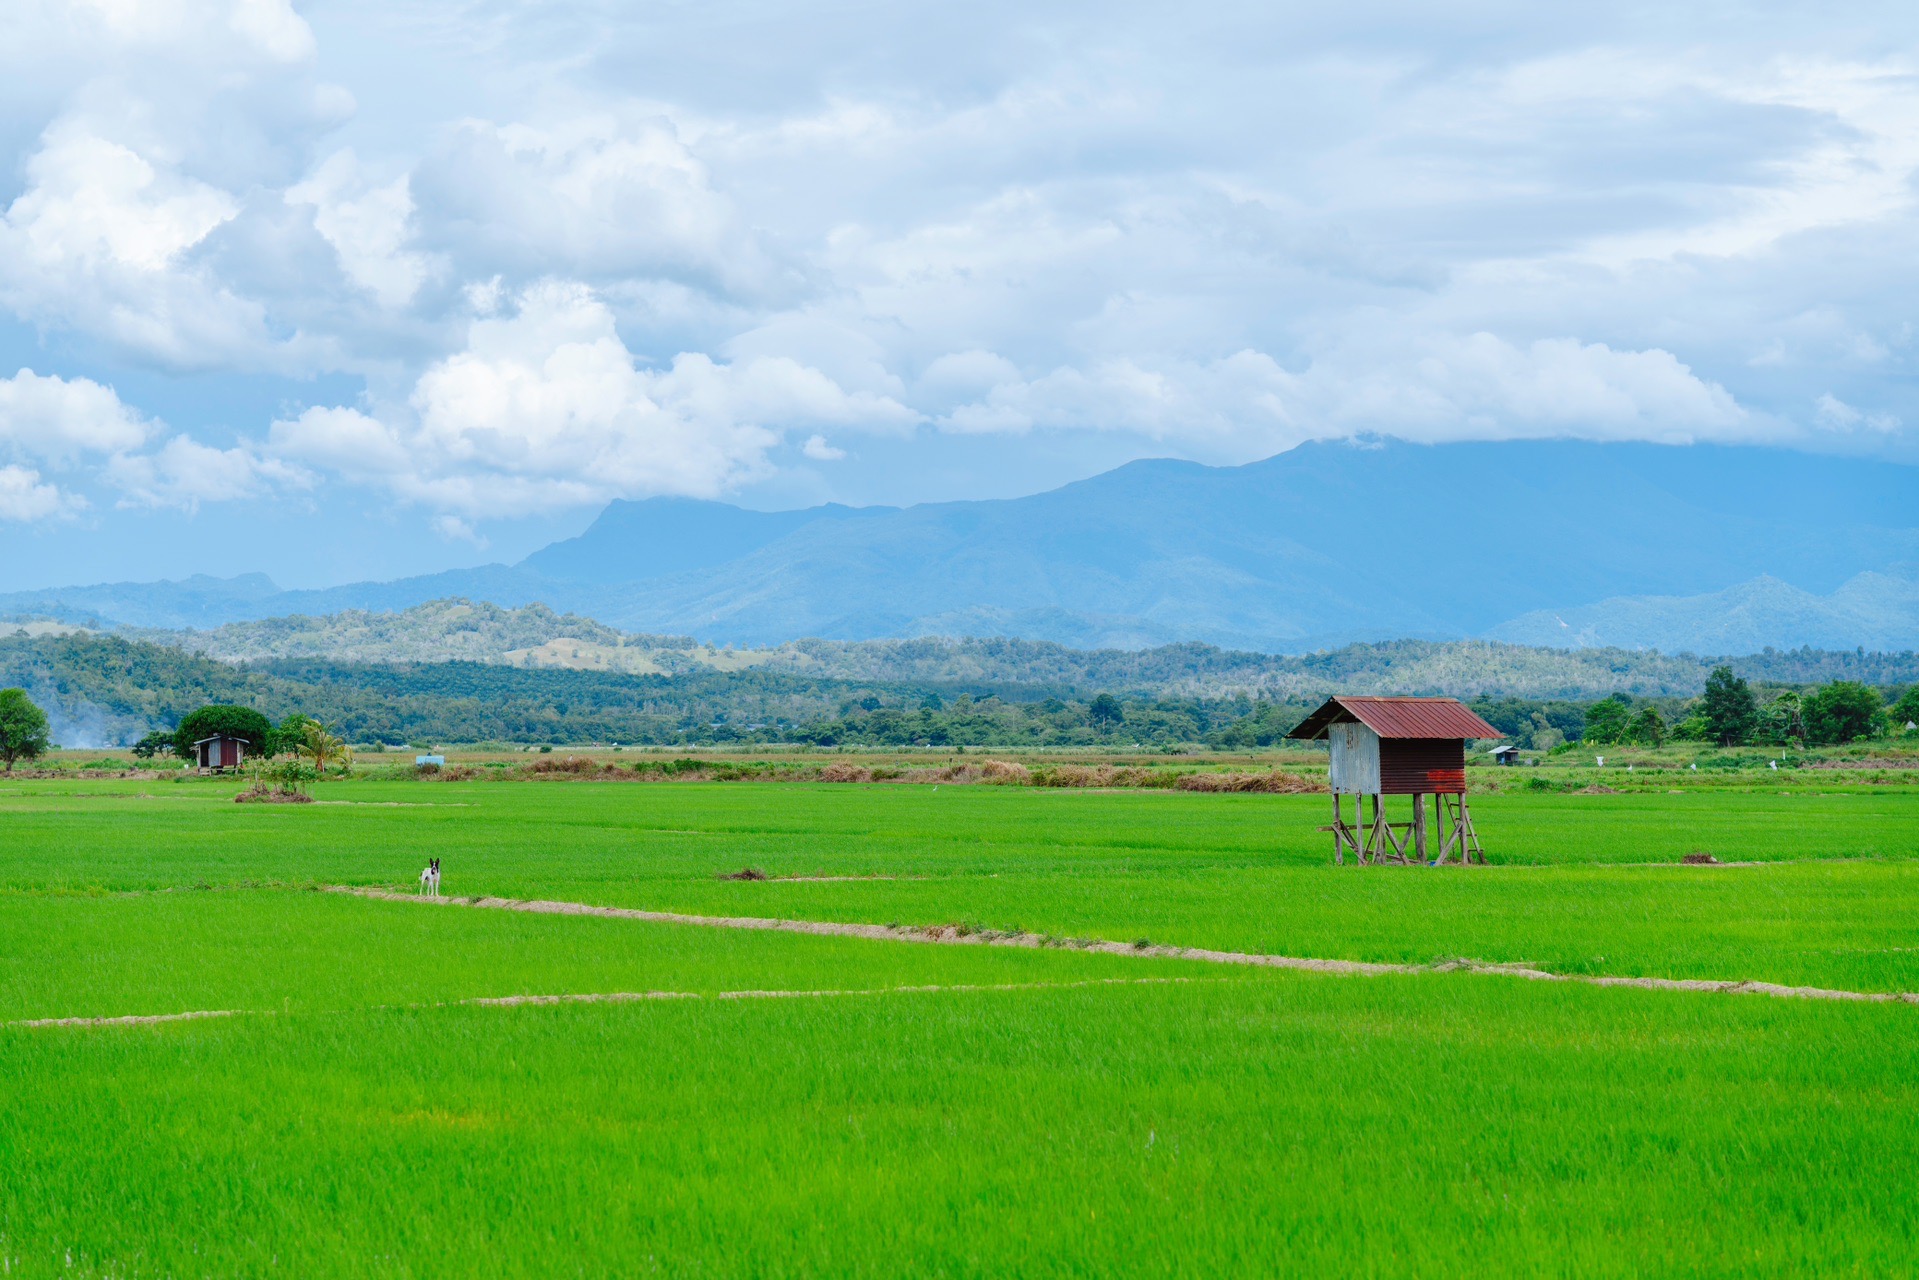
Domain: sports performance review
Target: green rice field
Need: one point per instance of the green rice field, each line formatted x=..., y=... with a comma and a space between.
x=368, y=1102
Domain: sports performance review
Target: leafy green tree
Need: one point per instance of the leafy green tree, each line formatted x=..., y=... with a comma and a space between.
x=154, y=744
x=289, y=735
x=1842, y=712
x=1649, y=727
x=1106, y=711
x=1730, y=710
x=1607, y=722
x=23, y=728
x=1906, y=710
x=235, y=722
x=1784, y=720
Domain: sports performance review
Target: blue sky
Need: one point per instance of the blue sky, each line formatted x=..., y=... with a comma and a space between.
x=346, y=289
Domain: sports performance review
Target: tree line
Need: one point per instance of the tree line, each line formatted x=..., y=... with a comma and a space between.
x=140, y=689
x=1730, y=713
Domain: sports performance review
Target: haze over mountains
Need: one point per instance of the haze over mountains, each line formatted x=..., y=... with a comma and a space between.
x=1701, y=548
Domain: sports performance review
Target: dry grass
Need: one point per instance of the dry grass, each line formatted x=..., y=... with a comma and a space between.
x=840, y=771
x=1275, y=782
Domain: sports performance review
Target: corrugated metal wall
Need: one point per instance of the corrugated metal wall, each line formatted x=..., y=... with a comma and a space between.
x=1422, y=766
x=1355, y=759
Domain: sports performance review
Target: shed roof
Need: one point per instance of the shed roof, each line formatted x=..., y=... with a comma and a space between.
x=1398, y=718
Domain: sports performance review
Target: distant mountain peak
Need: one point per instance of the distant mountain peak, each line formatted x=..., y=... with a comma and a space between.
x=1325, y=544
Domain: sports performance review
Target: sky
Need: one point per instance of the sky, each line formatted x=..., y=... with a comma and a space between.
x=344, y=290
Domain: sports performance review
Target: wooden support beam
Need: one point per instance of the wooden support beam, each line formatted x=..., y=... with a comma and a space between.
x=1339, y=846
x=1419, y=827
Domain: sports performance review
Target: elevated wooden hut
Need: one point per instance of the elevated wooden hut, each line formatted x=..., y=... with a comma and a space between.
x=1399, y=747
x=220, y=752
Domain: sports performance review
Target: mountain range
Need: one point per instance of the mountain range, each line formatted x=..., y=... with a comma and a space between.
x=1569, y=544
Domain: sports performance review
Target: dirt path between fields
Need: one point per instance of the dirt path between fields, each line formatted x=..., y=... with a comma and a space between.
x=616, y=997
x=131, y=1020
x=957, y=935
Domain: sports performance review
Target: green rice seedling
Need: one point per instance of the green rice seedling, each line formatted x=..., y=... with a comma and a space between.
x=1435, y=1125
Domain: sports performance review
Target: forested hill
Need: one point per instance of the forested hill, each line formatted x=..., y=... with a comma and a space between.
x=108, y=690
x=536, y=636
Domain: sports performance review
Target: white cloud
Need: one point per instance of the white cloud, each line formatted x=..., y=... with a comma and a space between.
x=57, y=420
x=24, y=498
x=1473, y=387
x=367, y=225
x=267, y=27
x=1522, y=224
x=344, y=441
x=455, y=529
x=1485, y=384
x=95, y=204
x=85, y=433
x=594, y=197
x=98, y=240
x=1834, y=414
x=184, y=473
x=274, y=27
x=547, y=408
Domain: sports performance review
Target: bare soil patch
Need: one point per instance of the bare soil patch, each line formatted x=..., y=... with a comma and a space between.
x=265, y=796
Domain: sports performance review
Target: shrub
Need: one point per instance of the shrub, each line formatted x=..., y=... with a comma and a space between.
x=278, y=782
x=575, y=765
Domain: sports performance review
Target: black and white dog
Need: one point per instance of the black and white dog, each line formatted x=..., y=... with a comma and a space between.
x=430, y=879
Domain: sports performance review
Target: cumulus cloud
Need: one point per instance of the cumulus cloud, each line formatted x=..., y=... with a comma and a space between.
x=83, y=433
x=183, y=473
x=575, y=256
x=594, y=198
x=101, y=241
x=24, y=498
x=58, y=420
x=367, y=225
x=548, y=408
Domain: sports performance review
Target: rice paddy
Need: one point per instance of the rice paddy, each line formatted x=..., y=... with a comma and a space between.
x=375, y=1099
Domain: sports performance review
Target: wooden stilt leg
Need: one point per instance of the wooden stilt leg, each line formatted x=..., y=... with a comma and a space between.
x=1419, y=828
x=1339, y=839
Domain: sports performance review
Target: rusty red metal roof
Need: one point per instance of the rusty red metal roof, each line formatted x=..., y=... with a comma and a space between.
x=1398, y=718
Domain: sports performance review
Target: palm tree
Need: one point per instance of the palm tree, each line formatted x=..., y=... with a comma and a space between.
x=323, y=748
